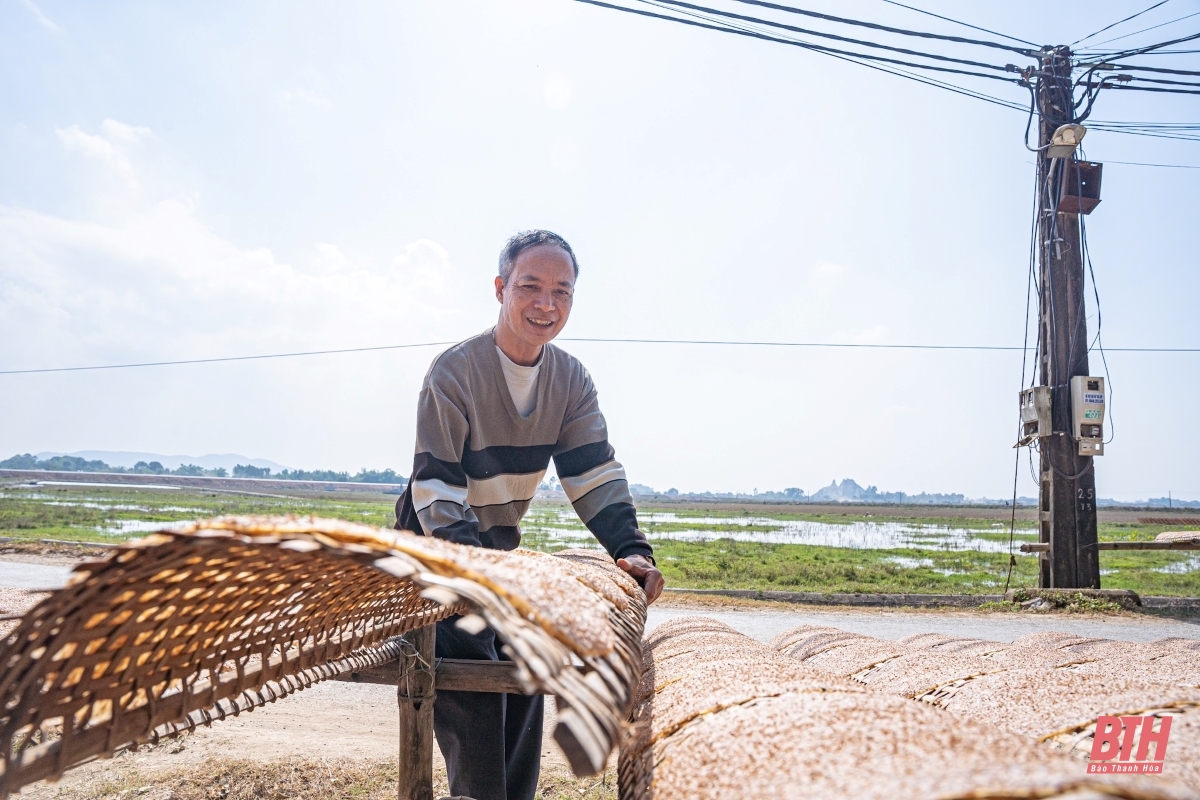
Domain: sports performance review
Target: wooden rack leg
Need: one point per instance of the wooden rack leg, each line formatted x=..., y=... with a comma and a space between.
x=416, y=695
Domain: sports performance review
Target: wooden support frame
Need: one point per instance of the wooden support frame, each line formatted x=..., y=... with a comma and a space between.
x=452, y=675
x=1044, y=547
x=416, y=693
x=420, y=675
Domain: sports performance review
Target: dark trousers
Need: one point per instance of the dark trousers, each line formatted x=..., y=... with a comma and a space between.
x=492, y=743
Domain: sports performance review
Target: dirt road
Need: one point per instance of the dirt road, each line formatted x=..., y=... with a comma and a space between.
x=347, y=722
x=764, y=620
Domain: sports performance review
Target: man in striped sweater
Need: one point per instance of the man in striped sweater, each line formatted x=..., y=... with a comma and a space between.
x=493, y=411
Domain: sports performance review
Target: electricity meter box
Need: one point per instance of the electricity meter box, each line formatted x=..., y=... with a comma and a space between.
x=1036, y=420
x=1087, y=414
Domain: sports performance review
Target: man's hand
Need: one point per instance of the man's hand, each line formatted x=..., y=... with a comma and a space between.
x=642, y=570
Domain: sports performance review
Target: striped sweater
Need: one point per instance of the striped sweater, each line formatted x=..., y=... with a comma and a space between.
x=478, y=462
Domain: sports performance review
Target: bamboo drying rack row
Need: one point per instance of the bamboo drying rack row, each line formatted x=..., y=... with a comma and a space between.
x=203, y=621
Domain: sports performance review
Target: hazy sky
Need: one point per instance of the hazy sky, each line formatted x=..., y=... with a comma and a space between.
x=233, y=178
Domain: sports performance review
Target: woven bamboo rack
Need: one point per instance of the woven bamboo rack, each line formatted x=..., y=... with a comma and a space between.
x=208, y=619
x=1051, y=687
x=719, y=715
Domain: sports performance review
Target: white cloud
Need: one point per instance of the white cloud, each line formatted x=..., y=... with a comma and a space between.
x=152, y=278
x=329, y=258
x=422, y=267
x=110, y=146
x=128, y=134
x=40, y=17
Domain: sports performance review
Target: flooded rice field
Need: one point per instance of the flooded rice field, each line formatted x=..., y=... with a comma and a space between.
x=723, y=546
x=561, y=525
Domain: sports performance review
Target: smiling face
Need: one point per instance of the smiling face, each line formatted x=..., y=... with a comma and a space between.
x=535, y=302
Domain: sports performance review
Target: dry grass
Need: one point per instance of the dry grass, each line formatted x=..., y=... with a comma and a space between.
x=292, y=779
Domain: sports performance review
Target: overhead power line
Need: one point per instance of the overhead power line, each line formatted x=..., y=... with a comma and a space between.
x=869, y=346
x=1166, y=126
x=960, y=22
x=1119, y=22
x=222, y=359
x=1137, y=68
x=1144, y=164
x=1155, y=134
x=708, y=18
x=1109, y=52
x=860, y=59
x=1143, y=30
x=876, y=26
x=1154, y=89
x=1137, y=51
x=1166, y=82
x=810, y=32
x=723, y=342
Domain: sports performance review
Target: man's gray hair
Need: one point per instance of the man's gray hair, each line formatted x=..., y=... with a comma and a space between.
x=527, y=239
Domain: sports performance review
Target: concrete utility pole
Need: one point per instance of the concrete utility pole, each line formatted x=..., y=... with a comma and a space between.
x=1067, y=493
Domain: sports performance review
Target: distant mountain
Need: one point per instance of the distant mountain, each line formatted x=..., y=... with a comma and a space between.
x=123, y=458
x=850, y=492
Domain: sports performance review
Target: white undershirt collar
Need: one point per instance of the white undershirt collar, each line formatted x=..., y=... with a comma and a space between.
x=522, y=382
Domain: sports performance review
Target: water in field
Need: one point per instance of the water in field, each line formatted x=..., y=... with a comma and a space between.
x=127, y=527
x=562, y=525
x=1182, y=567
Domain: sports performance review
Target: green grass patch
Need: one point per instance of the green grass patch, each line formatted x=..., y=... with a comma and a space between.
x=94, y=514
x=726, y=564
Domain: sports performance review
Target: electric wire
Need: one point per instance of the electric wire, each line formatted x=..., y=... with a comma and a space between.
x=1029, y=120
x=1165, y=81
x=1128, y=72
x=810, y=32
x=1098, y=341
x=1152, y=134
x=1080, y=326
x=1091, y=53
x=1155, y=125
x=1168, y=82
x=1012, y=523
x=1125, y=88
x=1120, y=22
x=887, y=28
x=1139, y=68
x=1145, y=164
x=959, y=22
x=1050, y=192
x=1184, y=130
x=694, y=15
x=591, y=339
x=1152, y=27
x=1151, y=48
x=1072, y=477
x=956, y=89
x=700, y=14
x=1029, y=282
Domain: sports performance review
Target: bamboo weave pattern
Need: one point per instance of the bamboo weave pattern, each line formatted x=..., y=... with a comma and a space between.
x=1048, y=686
x=719, y=715
x=208, y=619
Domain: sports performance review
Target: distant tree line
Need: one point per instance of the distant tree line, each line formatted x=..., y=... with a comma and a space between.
x=363, y=476
x=77, y=464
